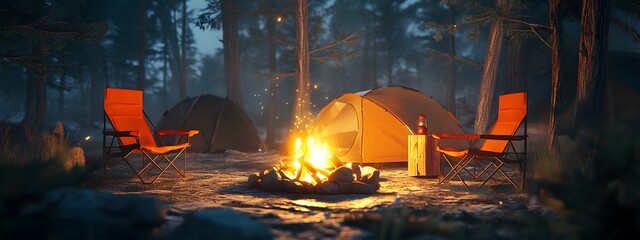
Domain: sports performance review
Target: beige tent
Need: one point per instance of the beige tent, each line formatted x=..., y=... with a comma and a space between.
x=372, y=126
x=221, y=123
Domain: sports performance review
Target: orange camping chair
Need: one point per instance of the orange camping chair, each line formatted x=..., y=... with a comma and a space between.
x=123, y=108
x=497, y=146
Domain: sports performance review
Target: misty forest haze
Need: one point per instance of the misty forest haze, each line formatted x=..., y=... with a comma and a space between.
x=76, y=49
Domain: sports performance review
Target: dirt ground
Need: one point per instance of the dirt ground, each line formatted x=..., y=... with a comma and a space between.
x=219, y=181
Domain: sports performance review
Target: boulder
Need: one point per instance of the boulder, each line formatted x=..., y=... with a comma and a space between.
x=85, y=213
x=74, y=157
x=220, y=224
x=342, y=174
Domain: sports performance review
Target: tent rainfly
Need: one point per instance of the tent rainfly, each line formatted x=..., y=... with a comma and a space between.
x=221, y=123
x=372, y=126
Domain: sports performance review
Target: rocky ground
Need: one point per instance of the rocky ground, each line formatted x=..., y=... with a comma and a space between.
x=219, y=181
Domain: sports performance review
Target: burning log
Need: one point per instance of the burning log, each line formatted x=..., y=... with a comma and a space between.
x=335, y=161
x=314, y=170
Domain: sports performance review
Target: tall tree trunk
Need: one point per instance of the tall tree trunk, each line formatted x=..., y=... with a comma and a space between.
x=105, y=66
x=41, y=99
x=451, y=64
x=489, y=73
x=390, y=66
x=143, y=45
x=165, y=56
x=557, y=51
x=364, y=71
x=169, y=31
x=374, y=64
x=183, y=61
x=594, y=26
x=63, y=86
x=273, y=77
x=94, y=85
x=40, y=84
x=301, y=106
x=231, y=52
x=515, y=72
x=29, y=113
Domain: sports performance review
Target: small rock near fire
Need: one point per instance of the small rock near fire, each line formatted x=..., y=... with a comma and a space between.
x=372, y=178
x=342, y=174
x=254, y=180
x=362, y=188
x=356, y=170
x=293, y=186
x=328, y=187
x=272, y=181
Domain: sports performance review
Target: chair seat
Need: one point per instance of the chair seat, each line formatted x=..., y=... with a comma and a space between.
x=455, y=152
x=164, y=149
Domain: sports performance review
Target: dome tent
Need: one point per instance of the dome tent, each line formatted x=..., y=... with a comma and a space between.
x=372, y=126
x=222, y=124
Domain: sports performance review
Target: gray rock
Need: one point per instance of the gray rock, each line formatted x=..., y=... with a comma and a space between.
x=254, y=180
x=74, y=157
x=328, y=187
x=372, y=178
x=78, y=212
x=220, y=224
x=356, y=170
x=362, y=188
x=272, y=181
x=342, y=174
x=293, y=186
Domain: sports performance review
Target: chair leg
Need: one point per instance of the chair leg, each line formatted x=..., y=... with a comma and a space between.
x=456, y=169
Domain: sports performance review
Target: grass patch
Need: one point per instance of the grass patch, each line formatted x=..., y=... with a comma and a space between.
x=33, y=162
x=547, y=166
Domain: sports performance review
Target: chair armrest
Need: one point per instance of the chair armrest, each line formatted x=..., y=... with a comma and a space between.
x=504, y=137
x=455, y=136
x=189, y=133
x=122, y=133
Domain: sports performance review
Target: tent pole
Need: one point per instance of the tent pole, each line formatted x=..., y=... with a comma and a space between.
x=215, y=129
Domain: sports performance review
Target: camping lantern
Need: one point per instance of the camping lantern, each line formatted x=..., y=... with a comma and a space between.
x=422, y=124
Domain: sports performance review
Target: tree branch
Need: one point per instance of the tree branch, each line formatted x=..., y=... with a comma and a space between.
x=626, y=27
x=458, y=58
x=531, y=25
x=535, y=32
x=334, y=44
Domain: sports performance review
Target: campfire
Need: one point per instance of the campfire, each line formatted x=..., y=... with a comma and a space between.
x=314, y=169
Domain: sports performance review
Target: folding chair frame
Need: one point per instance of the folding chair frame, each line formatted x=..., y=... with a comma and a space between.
x=497, y=162
x=124, y=151
x=497, y=154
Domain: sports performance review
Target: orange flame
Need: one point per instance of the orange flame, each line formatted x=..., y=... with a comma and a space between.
x=315, y=153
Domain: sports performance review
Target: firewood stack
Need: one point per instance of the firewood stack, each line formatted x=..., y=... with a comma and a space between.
x=347, y=178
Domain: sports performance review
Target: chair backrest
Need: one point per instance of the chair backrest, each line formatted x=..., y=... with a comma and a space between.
x=123, y=107
x=512, y=110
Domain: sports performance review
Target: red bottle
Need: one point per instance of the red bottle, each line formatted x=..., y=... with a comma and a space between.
x=422, y=125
